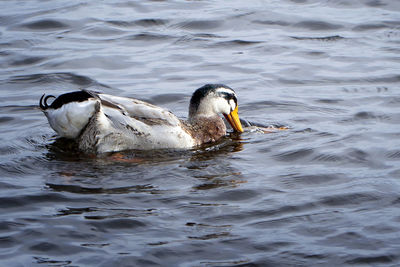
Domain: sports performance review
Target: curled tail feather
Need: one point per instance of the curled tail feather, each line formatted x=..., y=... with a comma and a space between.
x=43, y=101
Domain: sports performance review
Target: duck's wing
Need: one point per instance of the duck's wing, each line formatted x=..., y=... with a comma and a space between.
x=126, y=123
x=138, y=110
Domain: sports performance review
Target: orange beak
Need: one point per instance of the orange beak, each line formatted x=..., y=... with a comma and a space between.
x=234, y=121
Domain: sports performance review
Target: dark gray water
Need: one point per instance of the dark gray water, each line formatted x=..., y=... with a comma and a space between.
x=326, y=192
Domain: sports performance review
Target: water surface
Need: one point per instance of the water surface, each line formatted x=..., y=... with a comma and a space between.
x=323, y=193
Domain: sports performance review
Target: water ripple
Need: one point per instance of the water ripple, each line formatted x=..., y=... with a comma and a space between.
x=326, y=186
x=46, y=24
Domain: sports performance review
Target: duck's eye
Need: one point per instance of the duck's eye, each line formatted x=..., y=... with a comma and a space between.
x=225, y=95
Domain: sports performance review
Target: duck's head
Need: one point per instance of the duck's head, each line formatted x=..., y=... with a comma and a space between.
x=213, y=99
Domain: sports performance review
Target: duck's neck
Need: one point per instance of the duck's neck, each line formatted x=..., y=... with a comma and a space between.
x=205, y=129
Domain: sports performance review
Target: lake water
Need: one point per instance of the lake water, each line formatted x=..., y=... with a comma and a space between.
x=326, y=192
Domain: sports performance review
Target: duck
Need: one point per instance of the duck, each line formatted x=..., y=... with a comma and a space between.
x=102, y=123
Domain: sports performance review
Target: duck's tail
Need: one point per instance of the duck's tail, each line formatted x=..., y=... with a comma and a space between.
x=69, y=113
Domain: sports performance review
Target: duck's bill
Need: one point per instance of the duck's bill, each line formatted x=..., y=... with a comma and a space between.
x=234, y=121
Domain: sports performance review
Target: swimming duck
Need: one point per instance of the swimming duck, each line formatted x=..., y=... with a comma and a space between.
x=106, y=123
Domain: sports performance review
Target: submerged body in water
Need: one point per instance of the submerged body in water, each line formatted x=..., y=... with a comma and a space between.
x=105, y=123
